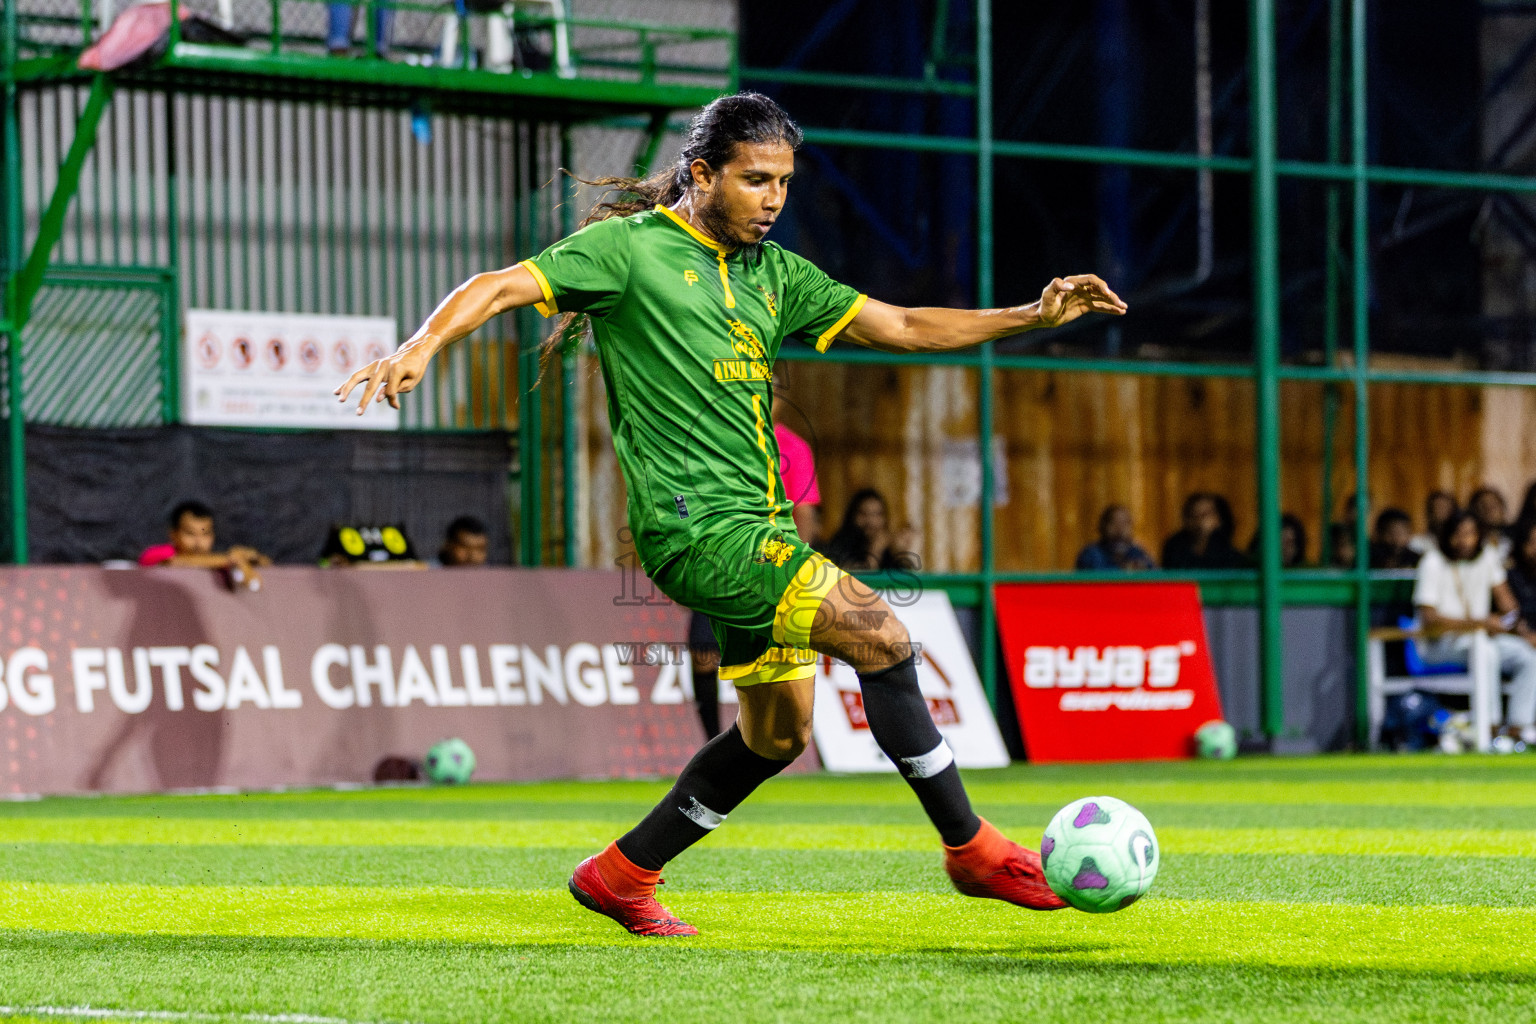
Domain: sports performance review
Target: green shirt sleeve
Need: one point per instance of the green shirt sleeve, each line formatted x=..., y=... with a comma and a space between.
x=586, y=272
x=813, y=304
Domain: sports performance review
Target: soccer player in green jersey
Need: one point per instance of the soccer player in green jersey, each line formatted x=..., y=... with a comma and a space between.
x=689, y=306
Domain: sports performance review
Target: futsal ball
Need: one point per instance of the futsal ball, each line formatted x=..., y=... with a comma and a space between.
x=1100, y=854
x=450, y=761
x=1216, y=741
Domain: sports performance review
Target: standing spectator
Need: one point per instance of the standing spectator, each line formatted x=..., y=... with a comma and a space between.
x=1391, y=543
x=863, y=541
x=190, y=545
x=341, y=24
x=797, y=470
x=704, y=655
x=1492, y=512
x=1438, y=507
x=1461, y=585
x=1116, y=547
x=1522, y=572
x=465, y=544
x=1205, y=542
x=1293, y=542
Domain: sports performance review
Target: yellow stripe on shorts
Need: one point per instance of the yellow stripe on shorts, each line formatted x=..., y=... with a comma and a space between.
x=796, y=612
x=776, y=665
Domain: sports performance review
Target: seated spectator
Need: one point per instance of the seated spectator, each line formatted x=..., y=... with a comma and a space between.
x=1350, y=512
x=464, y=545
x=1522, y=571
x=1528, y=506
x=1462, y=589
x=863, y=543
x=1342, y=546
x=1293, y=543
x=1438, y=507
x=1487, y=504
x=191, y=541
x=1390, y=545
x=1205, y=542
x=1116, y=547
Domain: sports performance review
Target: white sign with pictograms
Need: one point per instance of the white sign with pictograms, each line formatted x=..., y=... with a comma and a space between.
x=949, y=682
x=241, y=369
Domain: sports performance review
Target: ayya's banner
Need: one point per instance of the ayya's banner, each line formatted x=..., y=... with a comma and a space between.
x=1107, y=671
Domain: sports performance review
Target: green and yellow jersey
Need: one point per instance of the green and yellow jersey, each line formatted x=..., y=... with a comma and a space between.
x=687, y=335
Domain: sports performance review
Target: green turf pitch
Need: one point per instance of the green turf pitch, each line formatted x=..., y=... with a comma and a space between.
x=1330, y=889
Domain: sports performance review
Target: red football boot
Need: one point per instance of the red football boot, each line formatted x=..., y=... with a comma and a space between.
x=992, y=866
x=640, y=913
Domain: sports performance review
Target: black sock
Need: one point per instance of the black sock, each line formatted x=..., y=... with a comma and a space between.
x=721, y=775
x=899, y=720
x=706, y=692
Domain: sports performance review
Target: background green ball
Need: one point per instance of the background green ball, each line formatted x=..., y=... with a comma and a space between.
x=1216, y=741
x=450, y=762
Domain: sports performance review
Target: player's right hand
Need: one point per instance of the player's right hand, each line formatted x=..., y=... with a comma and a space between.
x=388, y=378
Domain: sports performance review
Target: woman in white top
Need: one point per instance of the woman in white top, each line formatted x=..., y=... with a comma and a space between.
x=1461, y=589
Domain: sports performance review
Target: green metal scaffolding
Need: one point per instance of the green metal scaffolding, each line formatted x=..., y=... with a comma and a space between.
x=286, y=68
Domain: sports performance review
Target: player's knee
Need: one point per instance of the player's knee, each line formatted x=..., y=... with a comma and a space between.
x=791, y=742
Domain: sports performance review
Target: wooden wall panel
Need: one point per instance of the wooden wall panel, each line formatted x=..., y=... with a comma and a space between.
x=1074, y=443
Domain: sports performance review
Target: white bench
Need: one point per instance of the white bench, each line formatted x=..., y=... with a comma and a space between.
x=1480, y=683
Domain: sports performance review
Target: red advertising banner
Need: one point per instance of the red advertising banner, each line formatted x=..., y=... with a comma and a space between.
x=138, y=680
x=1107, y=671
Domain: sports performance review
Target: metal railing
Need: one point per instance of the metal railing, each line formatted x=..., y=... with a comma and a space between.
x=536, y=38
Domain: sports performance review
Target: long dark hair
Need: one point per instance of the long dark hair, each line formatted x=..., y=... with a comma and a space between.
x=1448, y=530
x=712, y=136
x=850, y=544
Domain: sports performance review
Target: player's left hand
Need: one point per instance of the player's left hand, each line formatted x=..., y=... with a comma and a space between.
x=388, y=378
x=1067, y=298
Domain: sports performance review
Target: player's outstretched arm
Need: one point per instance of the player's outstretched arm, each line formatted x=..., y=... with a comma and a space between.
x=932, y=329
x=462, y=312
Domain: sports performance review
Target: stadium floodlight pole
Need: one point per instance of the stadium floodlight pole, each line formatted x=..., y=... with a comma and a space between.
x=1266, y=337
x=1361, y=283
x=984, y=174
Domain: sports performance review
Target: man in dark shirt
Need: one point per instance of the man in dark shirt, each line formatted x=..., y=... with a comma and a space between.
x=1391, y=546
x=1116, y=547
x=1205, y=542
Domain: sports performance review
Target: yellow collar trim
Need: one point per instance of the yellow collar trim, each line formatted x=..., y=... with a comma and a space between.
x=698, y=235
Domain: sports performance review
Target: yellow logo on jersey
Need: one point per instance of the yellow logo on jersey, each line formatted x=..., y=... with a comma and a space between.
x=744, y=341
x=728, y=371
x=691, y=277
x=772, y=300
x=776, y=551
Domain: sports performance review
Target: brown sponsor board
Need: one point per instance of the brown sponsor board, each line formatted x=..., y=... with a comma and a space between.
x=159, y=679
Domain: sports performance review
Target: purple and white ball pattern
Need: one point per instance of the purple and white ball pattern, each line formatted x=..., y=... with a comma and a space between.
x=1100, y=854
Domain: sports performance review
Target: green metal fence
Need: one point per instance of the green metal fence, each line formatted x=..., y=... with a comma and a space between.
x=319, y=225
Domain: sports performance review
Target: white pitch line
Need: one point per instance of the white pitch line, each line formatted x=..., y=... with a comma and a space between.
x=105, y=1013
